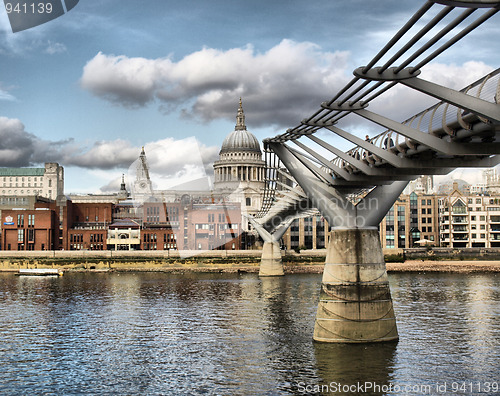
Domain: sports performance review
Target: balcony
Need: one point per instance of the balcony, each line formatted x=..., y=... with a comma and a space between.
x=460, y=237
x=460, y=229
x=123, y=241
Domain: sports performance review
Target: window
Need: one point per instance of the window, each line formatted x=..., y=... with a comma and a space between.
x=482, y=218
x=483, y=226
x=249, y=201
x=478, y=200
x=20, y=235
x=429, y=229
x=429, y=202
x=429, y=211
x=459, y=208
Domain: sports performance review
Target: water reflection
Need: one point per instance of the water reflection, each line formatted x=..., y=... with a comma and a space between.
x=342, y=365
x=154, y=333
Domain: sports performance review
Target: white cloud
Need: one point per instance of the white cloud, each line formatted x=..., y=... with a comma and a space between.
x=4, y=95
x=401, y=102
x=278, y=85
x=55, y=48
x=171, y=161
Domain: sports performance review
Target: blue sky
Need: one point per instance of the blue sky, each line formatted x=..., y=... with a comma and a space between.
x=90, y=88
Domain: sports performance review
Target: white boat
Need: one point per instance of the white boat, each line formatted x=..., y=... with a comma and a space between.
x=40, y=272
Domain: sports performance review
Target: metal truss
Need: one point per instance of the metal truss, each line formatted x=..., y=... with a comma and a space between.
x=460, y=131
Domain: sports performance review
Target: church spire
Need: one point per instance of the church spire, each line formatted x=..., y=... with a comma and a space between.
x=122, y=186
x=240, y=119
x=142, y=184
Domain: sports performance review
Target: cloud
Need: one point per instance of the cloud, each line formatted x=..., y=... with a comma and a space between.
x=401, y=103
x=16, y=145
x=55, y=48
x=101, y=155
x=287, y=80
x=170, y=161
x=280, y=86
x=4, y=95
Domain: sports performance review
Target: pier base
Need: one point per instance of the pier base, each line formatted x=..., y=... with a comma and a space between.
x=355, y=302
x=271, y=263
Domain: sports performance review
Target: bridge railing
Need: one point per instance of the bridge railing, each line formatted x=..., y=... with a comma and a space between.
x=437, y=120
x=436, y=26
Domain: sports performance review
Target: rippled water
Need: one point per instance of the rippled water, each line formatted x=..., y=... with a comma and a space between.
x=154, y=333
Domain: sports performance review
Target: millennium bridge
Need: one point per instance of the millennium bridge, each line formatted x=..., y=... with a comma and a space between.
x=354, y=189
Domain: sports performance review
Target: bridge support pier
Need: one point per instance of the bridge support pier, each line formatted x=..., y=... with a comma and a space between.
x=271, y=263
x=355, y=302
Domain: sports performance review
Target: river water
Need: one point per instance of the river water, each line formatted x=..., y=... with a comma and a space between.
x=236, y=334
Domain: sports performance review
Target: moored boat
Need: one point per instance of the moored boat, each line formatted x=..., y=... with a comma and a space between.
x=40, y=272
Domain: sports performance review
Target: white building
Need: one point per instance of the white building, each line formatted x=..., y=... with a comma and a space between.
x=45, y=182
x=469, y=220
x=240, y=170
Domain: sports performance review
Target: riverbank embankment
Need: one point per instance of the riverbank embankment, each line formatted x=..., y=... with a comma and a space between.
x=308, y=261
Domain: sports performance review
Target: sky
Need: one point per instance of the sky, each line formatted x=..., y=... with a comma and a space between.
x=90, y=88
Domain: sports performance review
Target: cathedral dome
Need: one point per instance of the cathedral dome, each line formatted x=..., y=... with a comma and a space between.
x=240, y=139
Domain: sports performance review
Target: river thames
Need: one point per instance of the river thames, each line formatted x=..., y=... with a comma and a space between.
x=236, y=334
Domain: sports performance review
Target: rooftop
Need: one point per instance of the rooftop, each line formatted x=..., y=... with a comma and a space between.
x=22, y=171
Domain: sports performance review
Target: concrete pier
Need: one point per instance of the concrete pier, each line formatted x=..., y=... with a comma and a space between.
x=355, y=302
x=271, y=263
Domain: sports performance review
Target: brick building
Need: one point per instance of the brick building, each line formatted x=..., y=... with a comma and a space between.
x=25, y=229
x=85, y=225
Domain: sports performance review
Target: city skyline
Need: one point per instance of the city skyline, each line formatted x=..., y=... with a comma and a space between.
x=90, y=88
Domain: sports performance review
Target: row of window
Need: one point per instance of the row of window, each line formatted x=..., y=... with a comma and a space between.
x=22, y=178
x=211, y=227
x=154, y=246
x=152, y=237
x=76, y=237
x=34, y=192
x=96, y=238
x=478, y=201
x=22, y=185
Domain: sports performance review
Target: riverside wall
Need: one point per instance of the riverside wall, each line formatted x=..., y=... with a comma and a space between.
x=307, y=261
x=168, y=261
